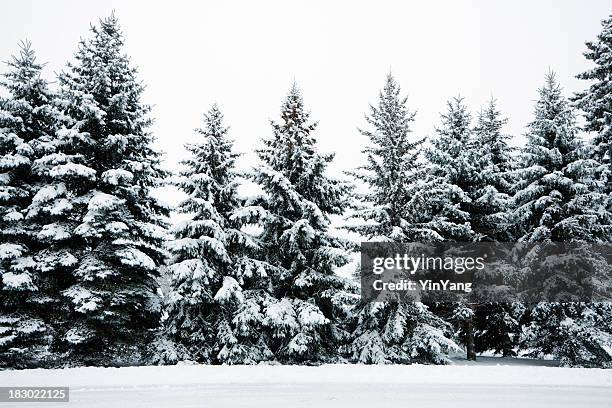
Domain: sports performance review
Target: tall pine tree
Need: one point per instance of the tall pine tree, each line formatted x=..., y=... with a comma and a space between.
x=117, y=229
x=451, y=174
x=496, y=324
x=395, y=332
x=596, y=101
x=490, y=190
x=29, y=119
x=560, y=199
x=393, y=174
x=452, y=178
x=557, y=196
x=302, y=307
x=211, y=254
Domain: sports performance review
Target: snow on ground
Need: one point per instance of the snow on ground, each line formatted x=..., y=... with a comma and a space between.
x=490, y=382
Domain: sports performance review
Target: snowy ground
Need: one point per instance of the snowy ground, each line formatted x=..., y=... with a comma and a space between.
x=489, y=383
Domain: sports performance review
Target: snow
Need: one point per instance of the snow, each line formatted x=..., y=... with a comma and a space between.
x=10, y=251
x=116, y=177
x=492, y=382
x=19, y=281
x=84, y=299
x=229, y=290
x=72, y=170
x=49, y=193
x=55, y=232
x=101, y=202
x=134, y=257
x=13, y=216
x=12, y=161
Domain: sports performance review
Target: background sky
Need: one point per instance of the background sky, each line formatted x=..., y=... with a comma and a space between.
x=245, y=55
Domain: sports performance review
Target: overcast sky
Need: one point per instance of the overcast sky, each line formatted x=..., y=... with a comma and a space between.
x=245, y=54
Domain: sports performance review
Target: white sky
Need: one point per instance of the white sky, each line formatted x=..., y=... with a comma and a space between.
x=245, y=54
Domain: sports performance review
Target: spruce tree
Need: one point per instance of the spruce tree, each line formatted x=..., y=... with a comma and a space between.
x=452, y=179
x=596, y=101
x=451, y=173
x=394, y=332
x=116, y=229
x=496, y=324
x=560, y=199
x=29, y=119
x=557, y=197
x=490, y=190
x=210, y=253
x=393, y=173
x=300, y=305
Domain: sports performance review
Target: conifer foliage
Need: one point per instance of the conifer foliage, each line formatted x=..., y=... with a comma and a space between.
x=112, y=227
x=395, y=210
x=596, y=100
x=450, y=174
x=302, y=307
x=28, y=122
x=254, y=279
x=560, y=199
x=392, y=206
x=491, y=187
x=210, y=252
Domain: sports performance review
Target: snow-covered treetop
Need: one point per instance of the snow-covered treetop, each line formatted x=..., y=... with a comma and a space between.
x=595, y=101
x=558, y=197
x=292, y=153
x=209, y=172
x=552, y=133
x=488, y=135
x=393, y=154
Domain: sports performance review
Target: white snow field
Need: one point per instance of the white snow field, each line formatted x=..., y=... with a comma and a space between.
x=490, y=383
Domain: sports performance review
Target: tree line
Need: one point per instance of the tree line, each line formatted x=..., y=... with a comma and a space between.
x=83, y=242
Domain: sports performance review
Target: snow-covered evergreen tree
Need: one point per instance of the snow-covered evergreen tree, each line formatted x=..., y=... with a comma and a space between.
x=401, y=332
x=112, y=230
x=302, y=306
x=490, y=191
x=497, y=327
x=596, y=101
x=28, y=121
x=576, y=334
x=450, y=175
x=394, y=332
x=560, y=199
x=557, y=197
x=453, y=183
x=210, y=254
x=393, y=174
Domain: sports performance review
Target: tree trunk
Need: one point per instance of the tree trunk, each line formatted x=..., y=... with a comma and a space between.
x=469, y=340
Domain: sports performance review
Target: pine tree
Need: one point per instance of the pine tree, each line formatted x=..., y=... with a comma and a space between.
x=393, y=174
x=302, y=306
x=211, y=254
x=395, y=332
x=399, y=333
x=576, y=334
x=491, y=187
x=496, y=324
x=497, y=327
x=116, y=230
x=596, y=101
x=557, y=196
x=29, y=119
x=452, y=179
x=560, y=199
x=451, y=173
